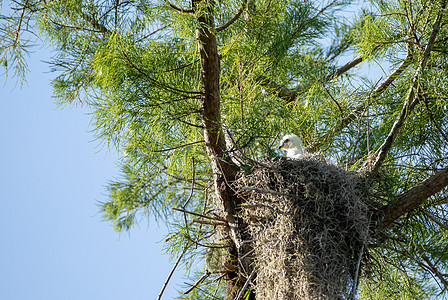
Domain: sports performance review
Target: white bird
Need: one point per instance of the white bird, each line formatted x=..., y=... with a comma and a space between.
x=293, y=146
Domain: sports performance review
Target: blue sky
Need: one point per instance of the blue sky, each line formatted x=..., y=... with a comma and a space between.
x=54, y=244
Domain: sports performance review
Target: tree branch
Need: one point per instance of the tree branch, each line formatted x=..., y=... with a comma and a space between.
x=435, y=270
x=282, y=92
x=243, y=289
x=414, y=197
x=224, y=170
x=217, y=218
x=433, y=218
x=19, y=25
x=411, y=99
x=171, y=273
x=177, y=147
x=198, y=282
x=381, y=153
x=342, y=123
x=344, y=68
x=397, y=72
x=235, y=17
x=290, y=95
x=160, y=85
x=179, y=9
x=96, y=25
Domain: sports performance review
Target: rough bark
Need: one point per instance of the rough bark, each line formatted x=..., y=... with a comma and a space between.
x=414, y=197
x=224, y=170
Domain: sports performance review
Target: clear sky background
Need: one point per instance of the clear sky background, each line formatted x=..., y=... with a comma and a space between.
x=53, y=242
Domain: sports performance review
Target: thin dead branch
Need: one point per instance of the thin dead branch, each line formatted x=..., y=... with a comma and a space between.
x=177, y=147
x=243, y=289
x=334, y=100
x=95, y=24
x=192, y=184
x=397, y=72
x=435, y=271
x=214, y=223
x=198, y=282
x=171, y=273
x=199, y=215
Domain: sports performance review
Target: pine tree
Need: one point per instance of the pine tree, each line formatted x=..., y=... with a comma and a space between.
x=195, y=93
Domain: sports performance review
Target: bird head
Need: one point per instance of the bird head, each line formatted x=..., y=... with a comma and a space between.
x=290, y=141
x=292, y=144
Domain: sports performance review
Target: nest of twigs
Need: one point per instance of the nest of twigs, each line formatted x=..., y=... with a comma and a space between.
x=309, y=221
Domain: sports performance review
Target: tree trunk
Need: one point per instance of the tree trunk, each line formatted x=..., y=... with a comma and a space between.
x=224, y=170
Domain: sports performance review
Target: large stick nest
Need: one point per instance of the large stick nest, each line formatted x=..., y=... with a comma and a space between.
x=309, y=221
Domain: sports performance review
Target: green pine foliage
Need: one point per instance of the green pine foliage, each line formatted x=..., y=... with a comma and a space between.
x=136, y=65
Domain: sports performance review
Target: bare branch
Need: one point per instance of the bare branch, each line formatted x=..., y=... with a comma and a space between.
x=152, y=33
x=414, y=197
x=290, y=95
x=325, y=8
x=199, y=215
x=243, y=289
x=19, y=26
x=192, y=183
x=334, y=100
x=214, y=223
x=200, y=280
x=381, y=153
x=282, y=92
x=182, y=67
x=171, y=273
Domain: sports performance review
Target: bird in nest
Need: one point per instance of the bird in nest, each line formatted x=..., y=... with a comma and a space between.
x=293, y=146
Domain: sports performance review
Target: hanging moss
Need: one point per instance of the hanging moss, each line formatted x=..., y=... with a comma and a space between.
x=310, y=224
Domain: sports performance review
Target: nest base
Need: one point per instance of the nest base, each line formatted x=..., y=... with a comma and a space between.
x=310, y=223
